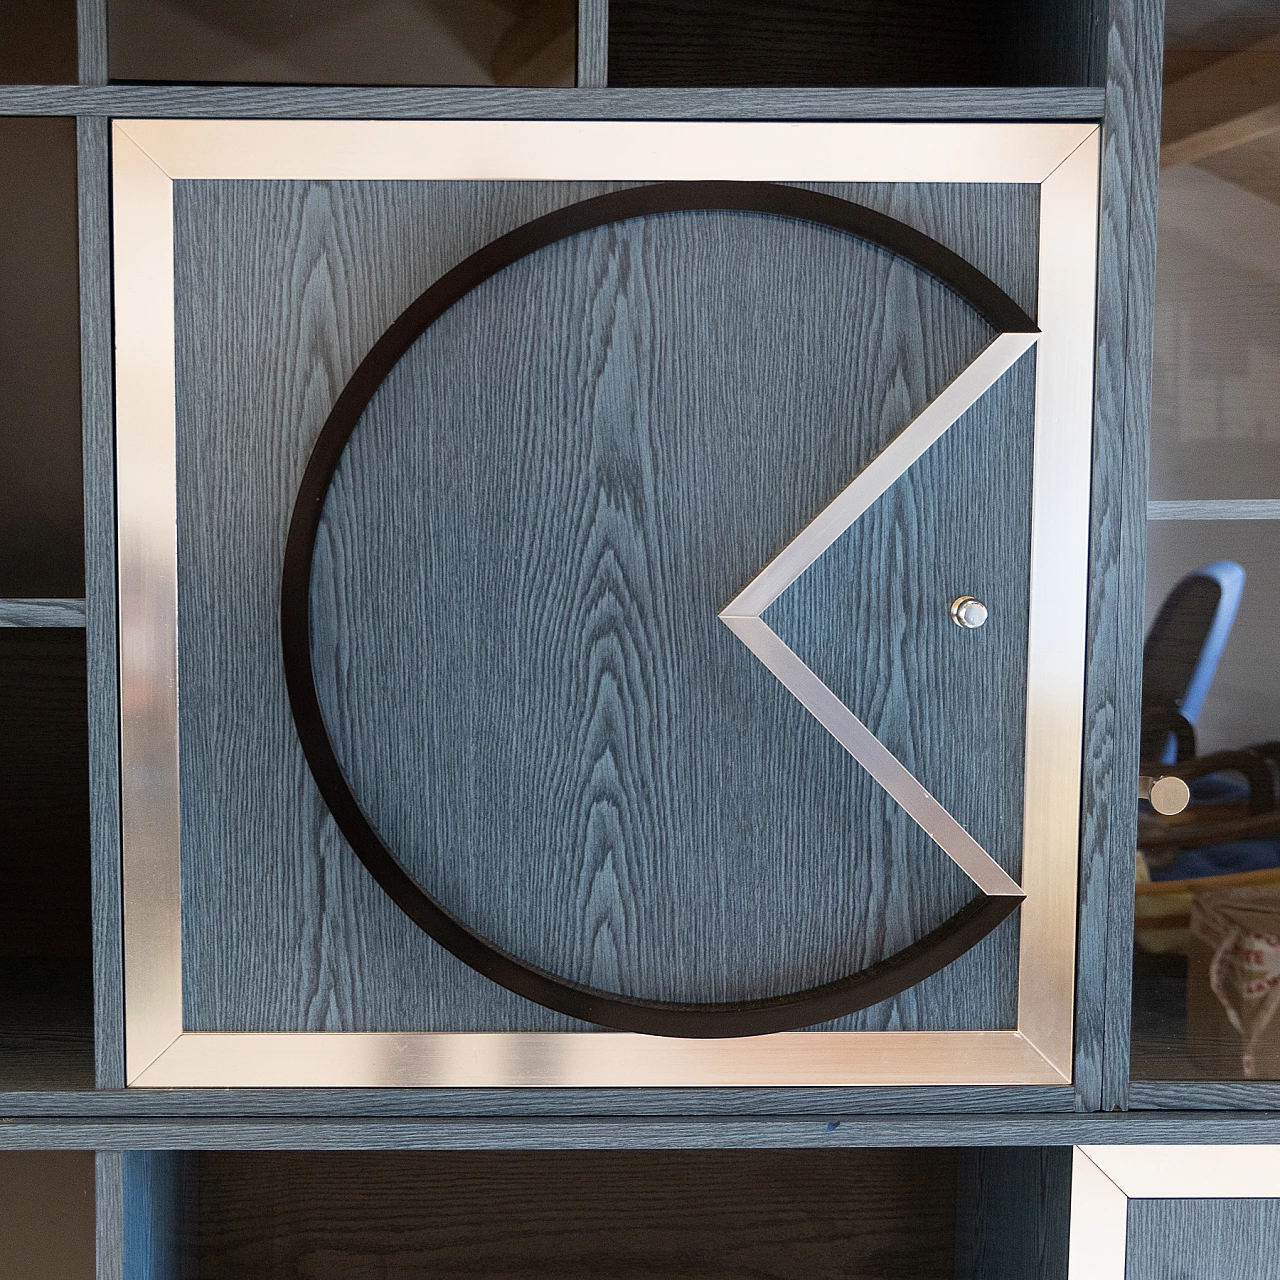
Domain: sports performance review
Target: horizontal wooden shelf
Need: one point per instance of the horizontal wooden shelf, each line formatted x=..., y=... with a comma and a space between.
x=289, y=102
x=166, y=1130
x=41, y=613
x=1215, y=509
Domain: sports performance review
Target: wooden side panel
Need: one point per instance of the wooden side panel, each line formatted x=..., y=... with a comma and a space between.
x=593, y=44
x=1013, y=1211
x=91, y=31
x=888, y=1214
x=312, y=102
x=1203, y=1240
x=160, y=1208
x=1118, y=551
x=98, y=443
x=320, y=949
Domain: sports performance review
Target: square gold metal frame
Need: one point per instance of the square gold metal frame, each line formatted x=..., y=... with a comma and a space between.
x=149, y=156
x=1105, y=1179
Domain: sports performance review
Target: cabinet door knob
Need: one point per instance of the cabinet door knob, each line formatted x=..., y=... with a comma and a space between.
x=968, y=612
x=1168, y=795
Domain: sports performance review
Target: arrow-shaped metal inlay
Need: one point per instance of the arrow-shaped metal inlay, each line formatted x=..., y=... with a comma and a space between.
x=743, y=614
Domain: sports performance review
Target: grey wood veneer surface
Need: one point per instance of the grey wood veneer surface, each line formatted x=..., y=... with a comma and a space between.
x=1203, y=1240
x=346, y=102
x=1122, y=406
x=98, y=446
x=283, y=929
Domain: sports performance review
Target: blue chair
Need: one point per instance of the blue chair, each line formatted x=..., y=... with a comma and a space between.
x=1181, y=656
x=1232, y=824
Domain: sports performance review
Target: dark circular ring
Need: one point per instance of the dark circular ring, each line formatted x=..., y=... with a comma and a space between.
x=787, y=1012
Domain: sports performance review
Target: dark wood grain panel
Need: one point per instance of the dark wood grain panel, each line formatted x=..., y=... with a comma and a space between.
x=44, y=812
x=1203, y=1240
x=819, y=42
x=353, y=960
x=41, y=525
x=1059, y=43
x=46, y=1009
x=1013, y=1213
x=883, y=1214
x=46, y=1026
x=855, y=42
x=311, y=102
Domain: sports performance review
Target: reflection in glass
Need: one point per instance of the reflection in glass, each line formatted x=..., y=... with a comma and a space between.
x=409, y=42
x=1207, y=932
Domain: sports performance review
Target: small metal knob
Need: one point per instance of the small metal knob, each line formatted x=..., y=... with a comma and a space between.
x=968, y=613
x=1168, y=795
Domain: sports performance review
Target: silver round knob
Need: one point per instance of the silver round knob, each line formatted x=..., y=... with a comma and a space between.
x=1168, y=795
x=968, y=613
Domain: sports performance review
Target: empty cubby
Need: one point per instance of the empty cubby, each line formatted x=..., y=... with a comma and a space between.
x=860, y=43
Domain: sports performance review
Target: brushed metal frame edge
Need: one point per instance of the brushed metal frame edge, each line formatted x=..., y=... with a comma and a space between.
x=148, y=156
x=1105, y=1179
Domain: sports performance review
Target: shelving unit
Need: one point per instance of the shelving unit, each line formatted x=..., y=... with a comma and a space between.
x=256, y=1181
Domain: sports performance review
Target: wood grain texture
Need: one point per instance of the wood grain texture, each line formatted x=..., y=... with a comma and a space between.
x=715, y=1214
x=821, y=1103
x=855, y=42
x=825, y=42
x=46, y=1026
x=108, y=1179
x=655, y=1133
x=98, y=446
x=1118, y=550
x=299, y=103
x=1063, y=43
x=46, y=1215
x=1013, y=1208
x=41, y=613
x=272, y=895
x=1204, y=1095
x=872, y=616
x=91, y=41
x=1203, y=1240
x=160, y=1208
x=593, y=44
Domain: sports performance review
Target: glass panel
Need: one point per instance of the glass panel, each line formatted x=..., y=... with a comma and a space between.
x=1207, y=954
x=410, y=42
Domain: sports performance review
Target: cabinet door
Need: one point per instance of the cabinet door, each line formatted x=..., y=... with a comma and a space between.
x=627, y=579
x=1175, y=1213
